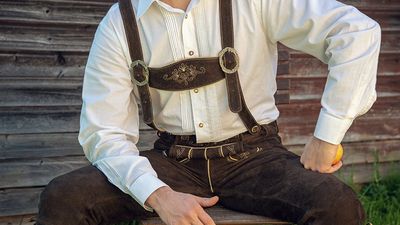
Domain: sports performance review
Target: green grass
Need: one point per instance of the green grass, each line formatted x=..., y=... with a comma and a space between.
x=381, y=200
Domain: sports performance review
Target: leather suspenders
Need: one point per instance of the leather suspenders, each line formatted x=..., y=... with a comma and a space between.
x=139, y=71
x=189, y=73
x=230, y=57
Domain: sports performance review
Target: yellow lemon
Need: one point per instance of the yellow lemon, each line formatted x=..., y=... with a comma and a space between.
x=339, y=154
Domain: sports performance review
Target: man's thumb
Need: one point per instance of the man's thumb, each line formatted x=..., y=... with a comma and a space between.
x=207, y=202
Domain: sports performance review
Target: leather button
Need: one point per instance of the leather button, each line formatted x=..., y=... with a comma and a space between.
x=191, y=53
x=255, y=129
x=201, y=125
x=196, y=90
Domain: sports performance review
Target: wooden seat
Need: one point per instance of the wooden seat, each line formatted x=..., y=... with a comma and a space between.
x=226, y=216
x=219, y=214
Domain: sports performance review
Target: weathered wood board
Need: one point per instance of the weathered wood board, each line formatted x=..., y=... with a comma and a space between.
x=222, y=216
x=28, y=146
x=37, y=172
x=18, y=220
x=19, y=201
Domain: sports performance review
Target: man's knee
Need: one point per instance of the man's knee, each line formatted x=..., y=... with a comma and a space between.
x=348, y=209
x=338, y=204
x=60, y=202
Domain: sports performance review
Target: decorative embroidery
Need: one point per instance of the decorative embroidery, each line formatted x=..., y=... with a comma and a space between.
x=179, y=152
x=244, y=155
x=184, y=74
x=231, y=148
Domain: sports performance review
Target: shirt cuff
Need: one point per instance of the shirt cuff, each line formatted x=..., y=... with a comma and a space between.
x=144, y=186
x=330, y=128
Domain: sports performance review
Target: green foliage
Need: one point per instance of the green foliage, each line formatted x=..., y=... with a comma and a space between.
x=381, y=200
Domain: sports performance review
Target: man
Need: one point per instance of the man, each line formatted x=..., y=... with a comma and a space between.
x=208, y=150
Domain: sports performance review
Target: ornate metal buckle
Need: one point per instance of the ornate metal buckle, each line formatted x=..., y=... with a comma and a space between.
x=145, y=72
x=221, y=56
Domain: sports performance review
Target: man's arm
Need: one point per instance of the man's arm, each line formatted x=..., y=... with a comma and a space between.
x=346, y=40
x=109, y=119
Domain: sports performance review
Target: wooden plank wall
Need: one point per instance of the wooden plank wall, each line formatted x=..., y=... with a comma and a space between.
x=43, y=50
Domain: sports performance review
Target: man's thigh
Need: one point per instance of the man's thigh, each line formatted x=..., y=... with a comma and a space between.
x=274, y=183
x=187, y=176
x=85, y=196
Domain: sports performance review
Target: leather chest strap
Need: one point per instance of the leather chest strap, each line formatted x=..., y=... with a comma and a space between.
x=186, y=74
x=230, y=65
x=138, y=69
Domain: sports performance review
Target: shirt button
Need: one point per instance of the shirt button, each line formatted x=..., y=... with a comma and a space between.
x=201, y=125
x=186, y=16
x=196, y=90
x=191, y=53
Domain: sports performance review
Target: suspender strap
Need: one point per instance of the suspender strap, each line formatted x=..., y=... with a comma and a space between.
x=138, y=69
x=227, y=55
x=229, y=62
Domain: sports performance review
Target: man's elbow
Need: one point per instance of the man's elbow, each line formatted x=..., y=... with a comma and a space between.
x=375, y=29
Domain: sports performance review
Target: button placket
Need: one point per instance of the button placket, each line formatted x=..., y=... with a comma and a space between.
x=199, y=112
x=200, y=115
x=189, y=36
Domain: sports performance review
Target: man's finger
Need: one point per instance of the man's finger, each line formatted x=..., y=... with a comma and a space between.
x=205, y=218
x=302, y=159
x=207, y=202
x=335, y=167
x=196, y=221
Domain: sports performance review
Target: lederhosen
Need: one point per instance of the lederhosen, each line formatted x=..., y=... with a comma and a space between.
x=190, y=73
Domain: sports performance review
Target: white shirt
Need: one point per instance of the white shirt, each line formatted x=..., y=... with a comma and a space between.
x=339, y=35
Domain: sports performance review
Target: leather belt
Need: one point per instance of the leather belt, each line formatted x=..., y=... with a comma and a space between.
x=184, y=146
x=219, y=151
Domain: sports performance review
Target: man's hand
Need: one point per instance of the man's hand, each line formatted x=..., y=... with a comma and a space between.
x=318, y=156
x=176, y=208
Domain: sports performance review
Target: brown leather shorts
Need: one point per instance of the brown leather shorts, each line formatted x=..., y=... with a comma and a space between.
x=270, y=182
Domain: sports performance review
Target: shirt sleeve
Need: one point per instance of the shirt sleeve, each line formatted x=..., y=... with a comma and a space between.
x=340, y=36
x=109, y=125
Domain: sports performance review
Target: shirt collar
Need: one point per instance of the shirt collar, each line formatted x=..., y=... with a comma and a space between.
x=144, y=5
x=142, y=8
